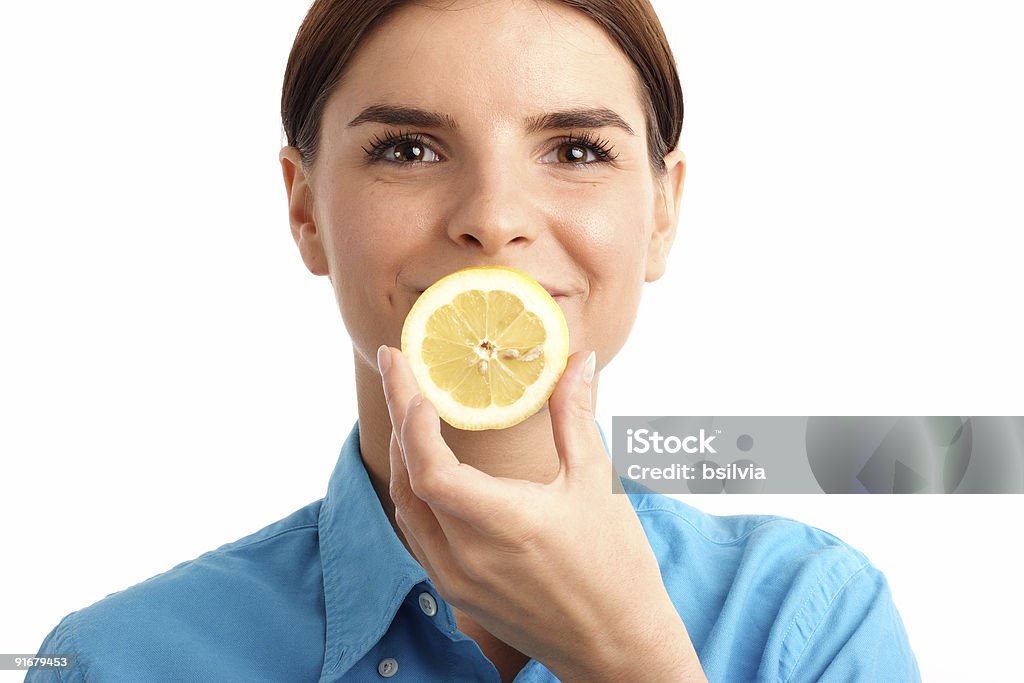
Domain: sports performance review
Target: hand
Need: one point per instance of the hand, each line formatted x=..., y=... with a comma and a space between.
x=561, y=571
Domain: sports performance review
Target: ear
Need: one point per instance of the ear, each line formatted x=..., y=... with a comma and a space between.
x=666, y=214
x=300, y=212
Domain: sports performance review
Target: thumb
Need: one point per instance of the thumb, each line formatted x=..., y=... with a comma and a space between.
x=571, y=408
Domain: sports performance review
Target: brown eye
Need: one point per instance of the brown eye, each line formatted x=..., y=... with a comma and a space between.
x=572, y=154
x=409, y=151
x=579, y=151
x=404, y=149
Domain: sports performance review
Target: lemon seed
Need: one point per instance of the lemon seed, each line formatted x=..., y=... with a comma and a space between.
x=533, y=354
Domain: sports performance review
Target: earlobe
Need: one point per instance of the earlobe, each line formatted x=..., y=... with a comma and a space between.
x=300, y=212
x=666, y=214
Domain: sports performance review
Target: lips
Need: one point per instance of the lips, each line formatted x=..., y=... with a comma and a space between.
x=554, y=291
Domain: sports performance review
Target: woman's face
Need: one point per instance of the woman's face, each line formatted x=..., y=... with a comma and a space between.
x=488, y=133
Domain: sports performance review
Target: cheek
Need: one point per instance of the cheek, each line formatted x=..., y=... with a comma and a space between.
x=610, y=231
x=606, y=234
x=370, y=233
x=368, y=239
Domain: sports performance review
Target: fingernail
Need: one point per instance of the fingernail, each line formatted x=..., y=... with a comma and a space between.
x=383, y=359
x=416, y=400
x=589, y=367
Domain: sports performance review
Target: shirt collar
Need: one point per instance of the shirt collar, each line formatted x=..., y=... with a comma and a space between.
x=367, y=571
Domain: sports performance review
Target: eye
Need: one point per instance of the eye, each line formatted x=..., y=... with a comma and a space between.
x=581, y=150
x=401, y=148
x=573, y=153
x=409, y=151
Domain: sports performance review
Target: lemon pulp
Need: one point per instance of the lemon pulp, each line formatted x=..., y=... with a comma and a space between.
x=487, y=346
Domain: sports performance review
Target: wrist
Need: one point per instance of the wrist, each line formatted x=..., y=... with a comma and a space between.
x=658, y=651
x=662, y=653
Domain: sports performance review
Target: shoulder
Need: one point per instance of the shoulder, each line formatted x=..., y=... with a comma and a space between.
x=773, y=598
x=672, y=524
x=161, y=624
x=775, y=556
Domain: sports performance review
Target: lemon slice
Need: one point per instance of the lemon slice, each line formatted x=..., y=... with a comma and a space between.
x=487, y=346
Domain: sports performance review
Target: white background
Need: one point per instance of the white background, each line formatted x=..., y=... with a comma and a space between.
x=172, y=378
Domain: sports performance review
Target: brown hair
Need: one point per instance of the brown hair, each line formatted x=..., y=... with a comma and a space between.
x=333, y=30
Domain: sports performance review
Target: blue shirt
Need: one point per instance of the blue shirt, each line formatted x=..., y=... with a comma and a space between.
x=330, y=594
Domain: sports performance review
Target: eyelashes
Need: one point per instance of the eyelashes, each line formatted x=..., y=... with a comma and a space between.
x=382, y=143
x=602, y=148
x=386, y=147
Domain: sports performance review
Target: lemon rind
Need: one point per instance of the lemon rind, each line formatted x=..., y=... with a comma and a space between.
x=535, y=298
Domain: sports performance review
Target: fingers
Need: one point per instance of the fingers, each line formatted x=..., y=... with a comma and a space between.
x=399, y=383
x=420, y=528
x=572, y=415
x=422, y=465
x=431, y=457
x=426, y=456
x=418, y=515
x=400, y=490
x=437, y=477
x=433, y=475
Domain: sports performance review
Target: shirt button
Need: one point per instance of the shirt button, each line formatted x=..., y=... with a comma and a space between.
x=428, y=604
x=388, y=667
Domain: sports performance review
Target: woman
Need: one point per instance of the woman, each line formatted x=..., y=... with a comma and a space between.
x=425, y=138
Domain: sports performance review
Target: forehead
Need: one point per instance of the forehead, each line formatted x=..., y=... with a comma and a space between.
x=497, y=61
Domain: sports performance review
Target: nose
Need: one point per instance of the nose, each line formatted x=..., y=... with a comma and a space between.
x=492, y=209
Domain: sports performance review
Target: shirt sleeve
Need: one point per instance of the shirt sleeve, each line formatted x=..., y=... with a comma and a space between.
x=58, y=642
x=857, y=636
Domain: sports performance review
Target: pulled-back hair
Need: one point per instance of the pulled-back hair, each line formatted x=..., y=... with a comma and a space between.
x=334, y=29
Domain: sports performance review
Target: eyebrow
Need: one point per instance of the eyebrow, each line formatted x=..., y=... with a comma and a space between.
x=597, y=117
x=403, y=116
x=580, y=117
